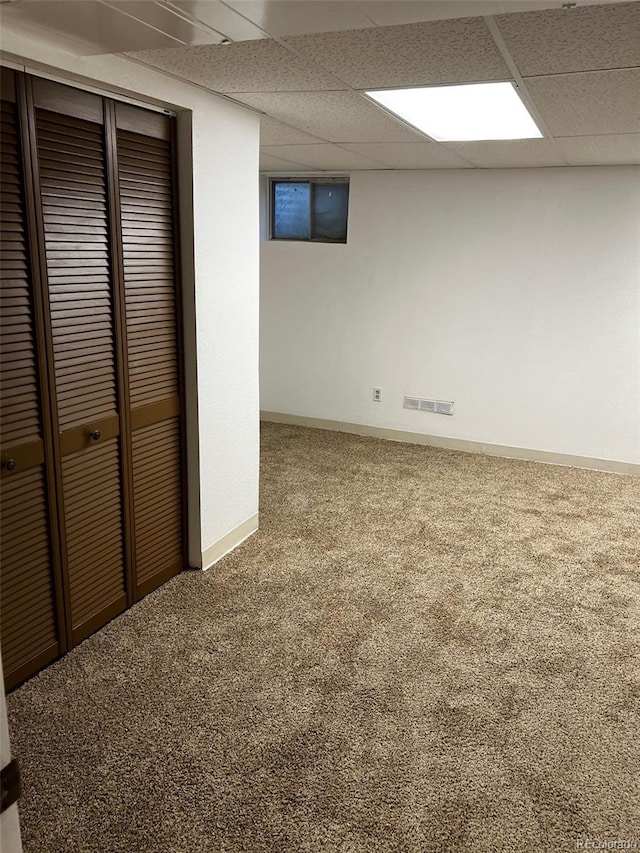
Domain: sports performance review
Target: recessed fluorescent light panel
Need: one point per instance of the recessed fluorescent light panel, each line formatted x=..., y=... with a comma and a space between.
x=462, y=113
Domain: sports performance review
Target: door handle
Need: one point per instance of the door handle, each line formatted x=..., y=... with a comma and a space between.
x=95, y=435
x=9, y=464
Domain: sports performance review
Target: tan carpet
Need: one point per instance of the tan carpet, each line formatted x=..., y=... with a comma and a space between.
x=421, y=650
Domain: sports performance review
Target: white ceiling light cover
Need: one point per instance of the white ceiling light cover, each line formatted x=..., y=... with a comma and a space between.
x=462, y=113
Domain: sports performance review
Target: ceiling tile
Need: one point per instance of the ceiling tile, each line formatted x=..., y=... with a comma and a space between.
x=291, y=17
x=610, y=150
x=411, y=55
x=336, y=116
x=97, y=28
x=409, y=155
x=275, y=164
x=220, y=17
x=587, y=104
x=563, y=40
x=165, y=19
x=273, y=132
x=508, y=154
x=323, y=156
x=250, y=66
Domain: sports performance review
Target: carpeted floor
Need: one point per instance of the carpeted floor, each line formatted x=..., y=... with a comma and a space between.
x=421, y=650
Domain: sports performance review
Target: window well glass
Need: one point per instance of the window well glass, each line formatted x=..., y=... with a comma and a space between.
x=330, y=204
x=291, y=210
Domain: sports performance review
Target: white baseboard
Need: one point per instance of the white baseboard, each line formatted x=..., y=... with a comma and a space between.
x=611, y=466
x=228, y=542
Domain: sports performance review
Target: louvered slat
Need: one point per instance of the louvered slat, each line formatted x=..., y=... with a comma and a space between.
x=73, y=184
x=19, y=412
x=27, y=576
x=28, y=616
x=144, y=168
x=93, y=514
x=158, y=514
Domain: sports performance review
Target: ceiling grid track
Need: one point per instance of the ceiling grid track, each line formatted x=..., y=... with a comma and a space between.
x=193, y=19
x=126, y=13
x=500, y=43
x=345, y=87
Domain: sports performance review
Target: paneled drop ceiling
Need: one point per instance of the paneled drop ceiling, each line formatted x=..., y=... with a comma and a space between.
x=305, y=65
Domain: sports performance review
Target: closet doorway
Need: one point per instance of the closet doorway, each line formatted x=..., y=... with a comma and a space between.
x=92, y=424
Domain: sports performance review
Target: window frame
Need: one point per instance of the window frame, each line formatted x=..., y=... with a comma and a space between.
x=312, y=181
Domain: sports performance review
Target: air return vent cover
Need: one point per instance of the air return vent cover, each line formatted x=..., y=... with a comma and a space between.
x=424, y=404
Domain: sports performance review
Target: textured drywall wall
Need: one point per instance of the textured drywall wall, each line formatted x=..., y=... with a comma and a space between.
x=514, y=293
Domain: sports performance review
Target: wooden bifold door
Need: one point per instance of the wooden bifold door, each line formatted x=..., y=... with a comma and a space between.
x=91, y=420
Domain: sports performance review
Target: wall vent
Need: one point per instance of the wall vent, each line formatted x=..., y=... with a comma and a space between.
x=423, y=404
x=412, y=402
x=444, y=408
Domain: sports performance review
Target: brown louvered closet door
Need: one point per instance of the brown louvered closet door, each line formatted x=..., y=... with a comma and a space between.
x=91, y=431
x=30, y=581
x=71, y=161
x=144, y=153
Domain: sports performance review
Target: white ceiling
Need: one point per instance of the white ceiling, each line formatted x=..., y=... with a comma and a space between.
x=306, y=63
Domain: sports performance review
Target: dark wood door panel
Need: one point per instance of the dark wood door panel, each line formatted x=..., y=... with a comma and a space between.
x=94, y=536
x=157, y=489
x=77, y=227
x=81, y=323
x=151, y=324
x=145, y=177
x=20, y=400
x=30, y=605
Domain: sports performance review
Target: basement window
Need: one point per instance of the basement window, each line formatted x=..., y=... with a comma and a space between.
x=311, y=209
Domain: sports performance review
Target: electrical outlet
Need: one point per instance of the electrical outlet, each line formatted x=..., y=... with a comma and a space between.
x=377, y=395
